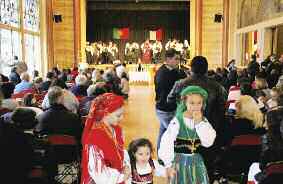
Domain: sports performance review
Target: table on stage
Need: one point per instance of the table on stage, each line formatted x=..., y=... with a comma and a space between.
x=144, y=76
x=140, y=77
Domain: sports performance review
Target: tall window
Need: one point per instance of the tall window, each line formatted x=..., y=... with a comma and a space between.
x=19, y=34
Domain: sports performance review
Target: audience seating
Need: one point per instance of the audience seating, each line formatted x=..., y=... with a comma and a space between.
x=237, y=158
x=67, y=158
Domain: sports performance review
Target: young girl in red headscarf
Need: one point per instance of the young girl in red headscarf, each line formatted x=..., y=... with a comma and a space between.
x=103, y=144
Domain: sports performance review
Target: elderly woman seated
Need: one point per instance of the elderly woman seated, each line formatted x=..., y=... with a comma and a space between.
x=25, y=84
x=80, y=87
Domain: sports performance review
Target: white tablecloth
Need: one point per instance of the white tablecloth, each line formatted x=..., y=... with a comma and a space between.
x=139, y=76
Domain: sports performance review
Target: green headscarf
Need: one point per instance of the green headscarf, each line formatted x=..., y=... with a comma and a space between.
x=181, y=108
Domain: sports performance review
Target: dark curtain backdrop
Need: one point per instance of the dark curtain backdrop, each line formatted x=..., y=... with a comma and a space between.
x=100, y=24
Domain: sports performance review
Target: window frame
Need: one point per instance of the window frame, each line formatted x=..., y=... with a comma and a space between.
x=22, y=31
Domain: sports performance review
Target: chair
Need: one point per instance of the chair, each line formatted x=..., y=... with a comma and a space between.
x=43, y=167
x=67, y=158
x=274, y=173
x=243, y=151
x=22, y=93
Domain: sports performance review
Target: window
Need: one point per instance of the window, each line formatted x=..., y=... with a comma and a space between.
x=9, y=12
x=20, y=34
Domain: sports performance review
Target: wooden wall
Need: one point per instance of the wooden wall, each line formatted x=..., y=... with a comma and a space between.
x=212, y=32
x=63, y=34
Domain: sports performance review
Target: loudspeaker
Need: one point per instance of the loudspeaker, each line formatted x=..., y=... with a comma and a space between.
x=218, y=18
x=57, y=18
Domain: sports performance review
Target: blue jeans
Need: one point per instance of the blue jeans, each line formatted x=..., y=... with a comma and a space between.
x=164, y=119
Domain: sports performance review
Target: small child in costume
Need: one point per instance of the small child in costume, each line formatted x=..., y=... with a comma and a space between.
x=179, y=147
x=143, y=167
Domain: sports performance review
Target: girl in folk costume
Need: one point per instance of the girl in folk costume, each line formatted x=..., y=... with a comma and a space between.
x=143, y=167
x=103, y=143
x=179, y=147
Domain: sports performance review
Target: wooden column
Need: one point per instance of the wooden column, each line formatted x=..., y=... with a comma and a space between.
x=198, y=23
x=50, y=43
x=225, y=32
x=77, y=31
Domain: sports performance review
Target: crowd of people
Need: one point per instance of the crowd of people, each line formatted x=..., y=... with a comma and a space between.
x=148, y=52
x=218, y=116
x=213, y=123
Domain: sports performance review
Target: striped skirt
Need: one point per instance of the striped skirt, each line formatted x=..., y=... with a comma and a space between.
x=190, y=169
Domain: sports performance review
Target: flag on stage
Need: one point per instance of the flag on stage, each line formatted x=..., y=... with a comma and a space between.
x=156, y=35
x=121, y=33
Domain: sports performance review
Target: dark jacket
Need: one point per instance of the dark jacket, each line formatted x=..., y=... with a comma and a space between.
x=217, y=96
x=58, y=120
x=45, y=85
x=164, y=80
x=79, y=90
x=15, y=155
x=270, y=154
x=15, y=78
x=241, y=126
x=85, y=105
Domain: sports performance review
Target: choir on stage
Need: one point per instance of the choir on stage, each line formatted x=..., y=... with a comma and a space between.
x=148, y=52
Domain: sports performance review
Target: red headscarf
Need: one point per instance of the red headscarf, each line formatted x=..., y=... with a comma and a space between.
x=100, y=107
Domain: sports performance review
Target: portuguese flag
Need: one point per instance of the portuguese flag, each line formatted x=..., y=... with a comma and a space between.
x=121, y=33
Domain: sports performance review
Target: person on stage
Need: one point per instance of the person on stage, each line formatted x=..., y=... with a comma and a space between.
x=179, y=147
x=113, y=50
x=135, y=50
x=103, y=142
x=146, y=52
x=128, y=48
x=156, y=49
x=89, y=53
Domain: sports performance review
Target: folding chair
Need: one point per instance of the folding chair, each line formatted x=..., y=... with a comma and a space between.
x=243, y=151
x=274, y=173
x=67, y=158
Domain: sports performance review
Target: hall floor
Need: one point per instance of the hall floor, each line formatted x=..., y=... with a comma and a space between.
x=140, y=120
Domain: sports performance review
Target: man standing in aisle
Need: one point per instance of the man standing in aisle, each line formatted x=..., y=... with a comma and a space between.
x=164, y=80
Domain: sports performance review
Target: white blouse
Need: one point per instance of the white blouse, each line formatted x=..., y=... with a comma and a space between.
x=158, y=171
x=204, y=130
x=99, y=172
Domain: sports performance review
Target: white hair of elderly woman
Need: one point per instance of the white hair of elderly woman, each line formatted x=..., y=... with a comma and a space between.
x=81, y=80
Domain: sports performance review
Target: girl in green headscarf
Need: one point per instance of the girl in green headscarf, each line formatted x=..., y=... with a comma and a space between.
x=179, y=147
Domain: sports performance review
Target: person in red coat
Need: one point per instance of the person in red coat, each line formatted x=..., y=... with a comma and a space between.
x=103, y=142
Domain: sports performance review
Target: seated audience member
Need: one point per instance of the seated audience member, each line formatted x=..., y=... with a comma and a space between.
x=70, y=101
x=37, y=82
x=25, y=84
x=58, y=119
x=112, y=84
x=16, y=155
x=248, y=119
x=80, y=87
x=15, y=76
x=47, y=83
x=60, y=83
x=29, y=102
x=92, y=92
x=124, y=85
x=7, y=102
x=268, y=171
x=274, y=93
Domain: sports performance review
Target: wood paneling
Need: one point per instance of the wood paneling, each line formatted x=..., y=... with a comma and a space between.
x=63, y=34
x=212, y=33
